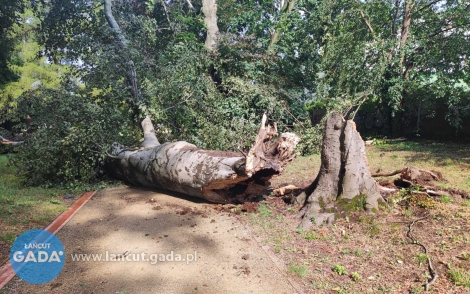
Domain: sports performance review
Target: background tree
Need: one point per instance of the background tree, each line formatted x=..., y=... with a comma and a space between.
x=395, y=51
x=278, y=57
x=32, y=69
x=9, y=15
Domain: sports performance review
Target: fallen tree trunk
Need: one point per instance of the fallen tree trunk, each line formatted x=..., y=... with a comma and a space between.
x=217, y=176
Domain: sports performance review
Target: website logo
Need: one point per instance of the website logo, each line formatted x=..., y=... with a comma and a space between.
x=37, y=256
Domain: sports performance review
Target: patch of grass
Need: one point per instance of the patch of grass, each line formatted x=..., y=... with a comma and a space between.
x=8, y=237
x=408, y=212
x=301, y=271
x=451, y=159
x=339, y=269
x=358, y=252
x=300, y=171
x=417, y=289
x=421, y=258
x=264, y=211
x=465, y=256
x=370, y=226
x=356, y=276
x=311, y=236
x=22, y=207
x=445, y=199
x=460, y=277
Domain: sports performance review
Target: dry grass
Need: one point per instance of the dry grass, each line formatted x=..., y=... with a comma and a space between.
x=376, y=248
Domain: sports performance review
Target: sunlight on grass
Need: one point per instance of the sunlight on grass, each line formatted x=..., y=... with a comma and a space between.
x=23, y=208
x=451, y=159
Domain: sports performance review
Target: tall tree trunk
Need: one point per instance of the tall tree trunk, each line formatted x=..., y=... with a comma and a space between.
x=398, y=120
x=405, y=29
x=344, y=175
x=209, y=9
x=122, y=43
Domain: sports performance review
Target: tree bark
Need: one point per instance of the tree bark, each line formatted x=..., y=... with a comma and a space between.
x=217, y=176
x=122, y=43
x=5, y=141
x=209, y=9
x=344, y=175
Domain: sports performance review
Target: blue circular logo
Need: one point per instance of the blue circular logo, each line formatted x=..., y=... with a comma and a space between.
x=37, y=256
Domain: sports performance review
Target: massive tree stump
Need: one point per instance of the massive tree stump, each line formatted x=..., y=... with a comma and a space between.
x=344, y=175
x=217, y=176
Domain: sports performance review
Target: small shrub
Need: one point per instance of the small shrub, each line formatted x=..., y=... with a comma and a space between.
x=339, y=269
x=356, y=276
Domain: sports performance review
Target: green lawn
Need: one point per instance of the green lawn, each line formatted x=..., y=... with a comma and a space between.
x=451, y=159
x=23, y=208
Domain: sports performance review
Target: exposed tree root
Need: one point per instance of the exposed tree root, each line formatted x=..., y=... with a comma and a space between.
x=399, y=171
x=432, y=272
x=417, y=179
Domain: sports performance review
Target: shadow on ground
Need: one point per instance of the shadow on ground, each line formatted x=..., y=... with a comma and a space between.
x=218, y=253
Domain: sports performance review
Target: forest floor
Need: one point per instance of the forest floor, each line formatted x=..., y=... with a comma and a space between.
x=256, y=248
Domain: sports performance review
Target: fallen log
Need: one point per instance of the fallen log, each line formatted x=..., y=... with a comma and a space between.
x=5, y=141
x=217, y=176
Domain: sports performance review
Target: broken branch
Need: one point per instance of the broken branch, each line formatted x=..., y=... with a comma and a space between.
x=5, y=141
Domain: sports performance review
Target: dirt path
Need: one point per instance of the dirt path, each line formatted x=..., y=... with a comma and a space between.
x=129, y=221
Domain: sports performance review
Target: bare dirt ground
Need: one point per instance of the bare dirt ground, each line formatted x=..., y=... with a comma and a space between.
x=129, y=221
